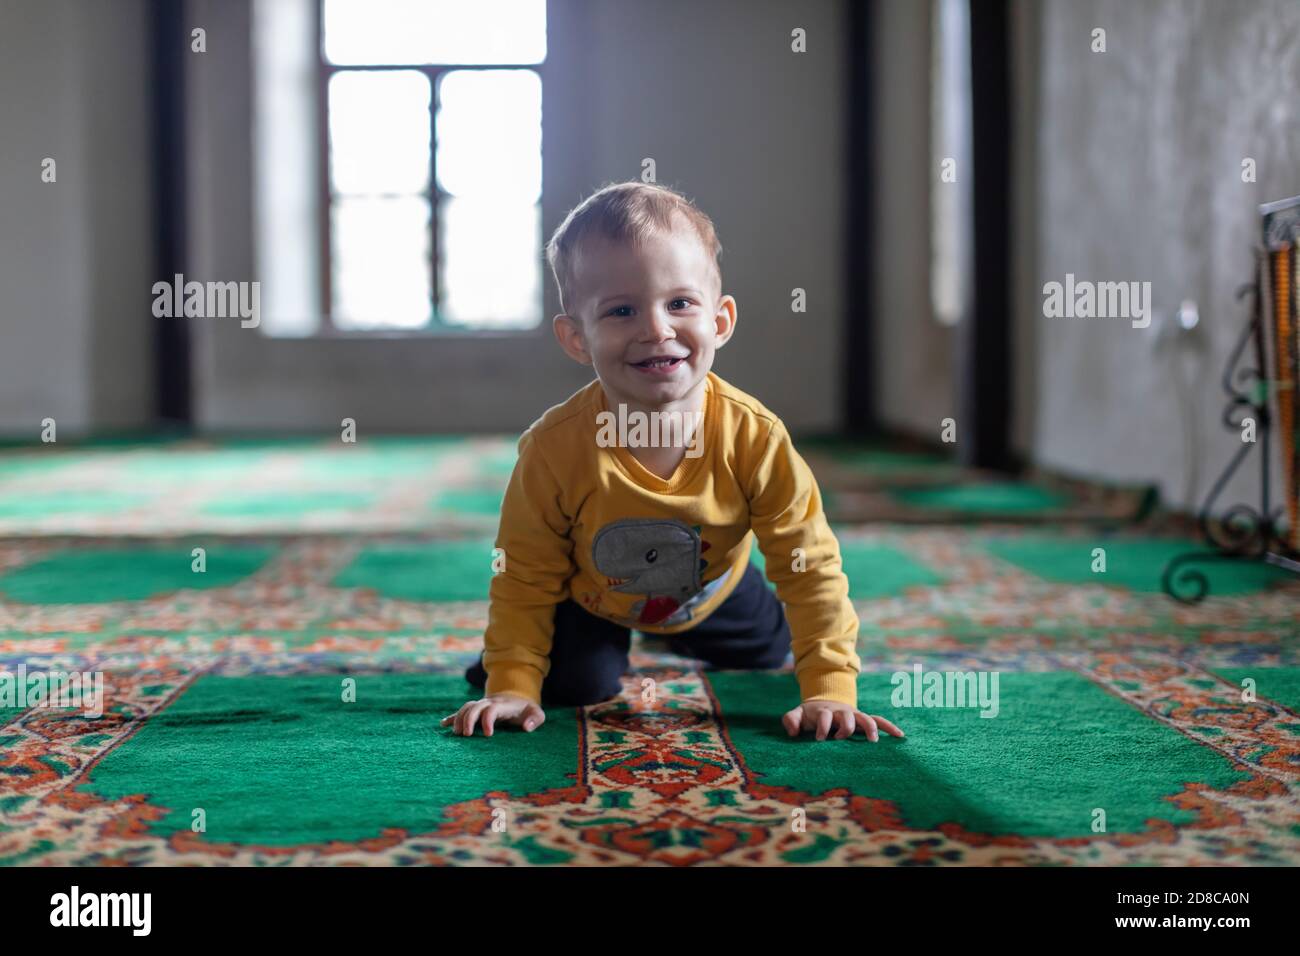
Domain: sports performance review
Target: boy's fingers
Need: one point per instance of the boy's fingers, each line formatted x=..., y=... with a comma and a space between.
x=489, y=719
x=846, y=723
x=792, y=721
x=475, y=709
x=534, y=717
x=824, y=723
x=868, y=726
x=462, y=719
x=889, y=727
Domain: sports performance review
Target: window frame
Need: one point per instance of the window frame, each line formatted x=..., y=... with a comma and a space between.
x=325, y=198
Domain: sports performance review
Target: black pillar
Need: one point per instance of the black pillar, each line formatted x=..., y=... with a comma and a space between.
x=169, y=45
x=985, y=381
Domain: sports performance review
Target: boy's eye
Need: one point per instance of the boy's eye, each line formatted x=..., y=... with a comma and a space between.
x=622, y=311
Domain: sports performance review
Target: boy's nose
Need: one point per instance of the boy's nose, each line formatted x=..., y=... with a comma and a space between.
x=658, y=325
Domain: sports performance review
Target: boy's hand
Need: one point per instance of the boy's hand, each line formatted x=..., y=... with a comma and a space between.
x=508, y=708
x=821, y=715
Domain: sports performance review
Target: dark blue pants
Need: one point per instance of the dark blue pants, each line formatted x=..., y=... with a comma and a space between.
x=748, y=631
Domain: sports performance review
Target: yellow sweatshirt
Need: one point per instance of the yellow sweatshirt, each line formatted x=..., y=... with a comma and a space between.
x=591, y=523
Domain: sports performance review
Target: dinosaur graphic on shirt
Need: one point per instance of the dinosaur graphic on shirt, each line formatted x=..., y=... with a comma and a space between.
x=655, y=557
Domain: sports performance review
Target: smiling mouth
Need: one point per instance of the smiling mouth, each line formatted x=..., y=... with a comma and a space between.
x=662, y=363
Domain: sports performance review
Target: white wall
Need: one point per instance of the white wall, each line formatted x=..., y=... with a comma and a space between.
x=914, y=358
x=1139, y=156
x=755, y=133
x=76, y=254
x=1125, y=166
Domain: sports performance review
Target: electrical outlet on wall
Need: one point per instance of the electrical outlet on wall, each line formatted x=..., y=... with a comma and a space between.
x=1182, y=325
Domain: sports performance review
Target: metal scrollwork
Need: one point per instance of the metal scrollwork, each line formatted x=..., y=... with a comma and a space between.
x=1242, y=532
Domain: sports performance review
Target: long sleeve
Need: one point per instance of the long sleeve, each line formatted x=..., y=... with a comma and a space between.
x=786, y=514
x=534, y=537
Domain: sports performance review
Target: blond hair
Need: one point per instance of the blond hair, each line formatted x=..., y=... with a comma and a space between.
x=625, y=212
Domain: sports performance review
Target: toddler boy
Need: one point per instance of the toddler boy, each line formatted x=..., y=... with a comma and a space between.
x=632, y=503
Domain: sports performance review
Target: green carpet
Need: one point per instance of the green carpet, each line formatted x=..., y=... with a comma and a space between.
x=1131, y=564
x=128, y=574
x=1002, y=775
x=286, y=761
x=224, y=690
x=983, y=497
x=432, y=571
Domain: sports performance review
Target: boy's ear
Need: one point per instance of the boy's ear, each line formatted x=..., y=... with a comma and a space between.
x=724, y=323
x=568, y=332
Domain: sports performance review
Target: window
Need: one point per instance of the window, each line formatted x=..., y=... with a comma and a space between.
x=430, y=164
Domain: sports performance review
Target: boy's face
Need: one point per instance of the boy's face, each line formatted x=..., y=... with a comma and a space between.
x=647, y=318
